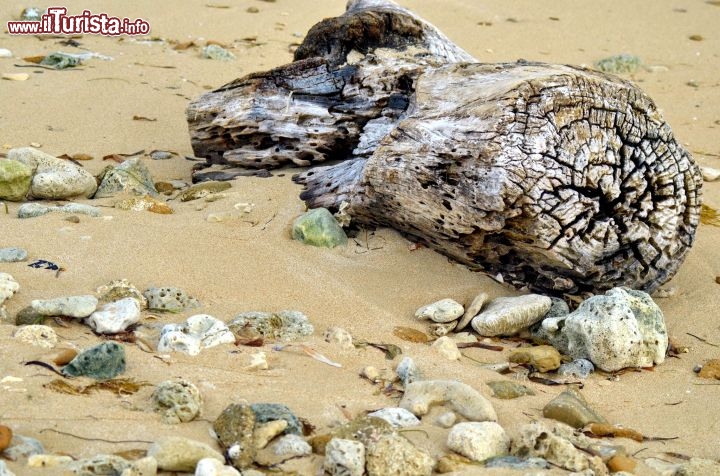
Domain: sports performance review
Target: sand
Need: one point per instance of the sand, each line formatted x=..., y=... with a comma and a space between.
x=368, y=287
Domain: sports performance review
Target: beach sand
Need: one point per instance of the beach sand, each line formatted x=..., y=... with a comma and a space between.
x=369, y=287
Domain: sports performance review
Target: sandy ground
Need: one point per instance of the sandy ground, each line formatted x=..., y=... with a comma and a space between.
x=370, y=286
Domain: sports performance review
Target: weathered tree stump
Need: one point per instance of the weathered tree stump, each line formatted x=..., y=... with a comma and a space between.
x=561, y=179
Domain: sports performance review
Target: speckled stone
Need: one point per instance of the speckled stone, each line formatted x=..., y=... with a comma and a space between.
x=344, y=458
x=507, y=389
x=169, y=299
x=177, y=401
x=478, y=440
x=101, y=362
x=202, y=189
x=37, y=335
x=396, y=416
x=70, y=306
x=33, y=210
x=53, y=178
x=132, y=176
x=265, y=412
x=199, y=332
x=234, y=429
x=283, y=325
x=393, y=454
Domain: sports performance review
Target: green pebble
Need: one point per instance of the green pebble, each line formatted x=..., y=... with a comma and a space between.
x=318, y=228
x=623, y=63
x=506, y=389
x=15, y=180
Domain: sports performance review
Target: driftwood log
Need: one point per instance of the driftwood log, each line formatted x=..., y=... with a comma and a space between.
x=561, y=179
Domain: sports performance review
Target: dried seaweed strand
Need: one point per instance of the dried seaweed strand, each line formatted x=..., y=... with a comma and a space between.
x=94, y=439
x=702, y=340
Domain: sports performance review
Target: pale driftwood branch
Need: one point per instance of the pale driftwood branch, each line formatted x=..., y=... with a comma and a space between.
x=561, y=179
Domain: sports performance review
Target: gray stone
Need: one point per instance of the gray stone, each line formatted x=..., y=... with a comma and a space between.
x=283, y=325
x=71, y=306
x=506, y=316
x=201, y=331
x=344, y=458
x=520, y=464
x=622, y=63
x=318, y=227
x=169, y=299
x=397, y=417
x=28, y=316
x=457, y=396
x=174, y=453
x=445, y=310
x=22, y=447
x=408, y=371
x=37, y=335
x=32, y=210
x=623, y=328
x=393, y=454
x=15, y=180
x=282, y=449
x=217, y=52
x=132, y=177
x=265, y=412
x=478, y=440
x=101, y=362
x=507, y=389
x=571, y=408
x=54, y=179
x=177, y=401
x=12, y=255
x=579, y=368
x=115, y=317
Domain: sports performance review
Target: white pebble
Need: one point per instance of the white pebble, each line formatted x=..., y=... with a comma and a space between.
x=344, y=458
x=445, y=310
x=397, y=417
x=447, y=347
x=478, y=440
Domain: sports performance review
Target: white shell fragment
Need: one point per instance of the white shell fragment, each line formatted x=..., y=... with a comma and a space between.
x=8, y=287
x=199, y=332
x=445, y=310
x=115, y=317
x=506, y=316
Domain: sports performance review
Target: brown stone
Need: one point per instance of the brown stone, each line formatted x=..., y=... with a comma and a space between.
x=543, y=357
x=711, y=369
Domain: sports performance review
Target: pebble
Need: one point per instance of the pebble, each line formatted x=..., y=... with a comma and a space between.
x=27, y=316
x=282, y=449
x=283, y=325
x=12, y=255
x=340, y=337
x=344, y=458
x=519, y=464
x=264, y=433
x=446, y=347
x=120, y=289
x=161, y=155
x=99, y=464
x=318, y=227
x=15, y=76
x=202, y=190
x=445, y=310
x=542, y=358
x=258, y=361
x=33, y=210
x=4, y=471
x=421, y=395
x=710, y=370
x=408, y=371
x=478, y=440
x=709, y=174
x=472, y=310
x=8, y=287
x=394, y=454
x=37, y=335
x=213, y=467
x=6, y=435
x=22, y=447
x=48, y=461
x=397, y=417
x=440, y=329
x=115, y=317
x=571, y=408
x=169, y=299
x=622, y=63
x=177, y=401
x=5, y=53
x=234, y=429
x=200, y=331
x=15, y=180
x=144, y=203
x=72, y=306
x=621, y=463
x=131, y=177
x=507, y=389
x=54, y=179
x=101, y=362
x=506, y=316
x=539, y=440
x=363, y=429
x=62, y=356
x=174, y=453
x=217, y=52
x=623, y=328
x=265, y=412
x=446, y=419
x=579, y=368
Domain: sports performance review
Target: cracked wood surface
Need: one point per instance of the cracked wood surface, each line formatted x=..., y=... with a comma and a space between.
x=561, y=179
